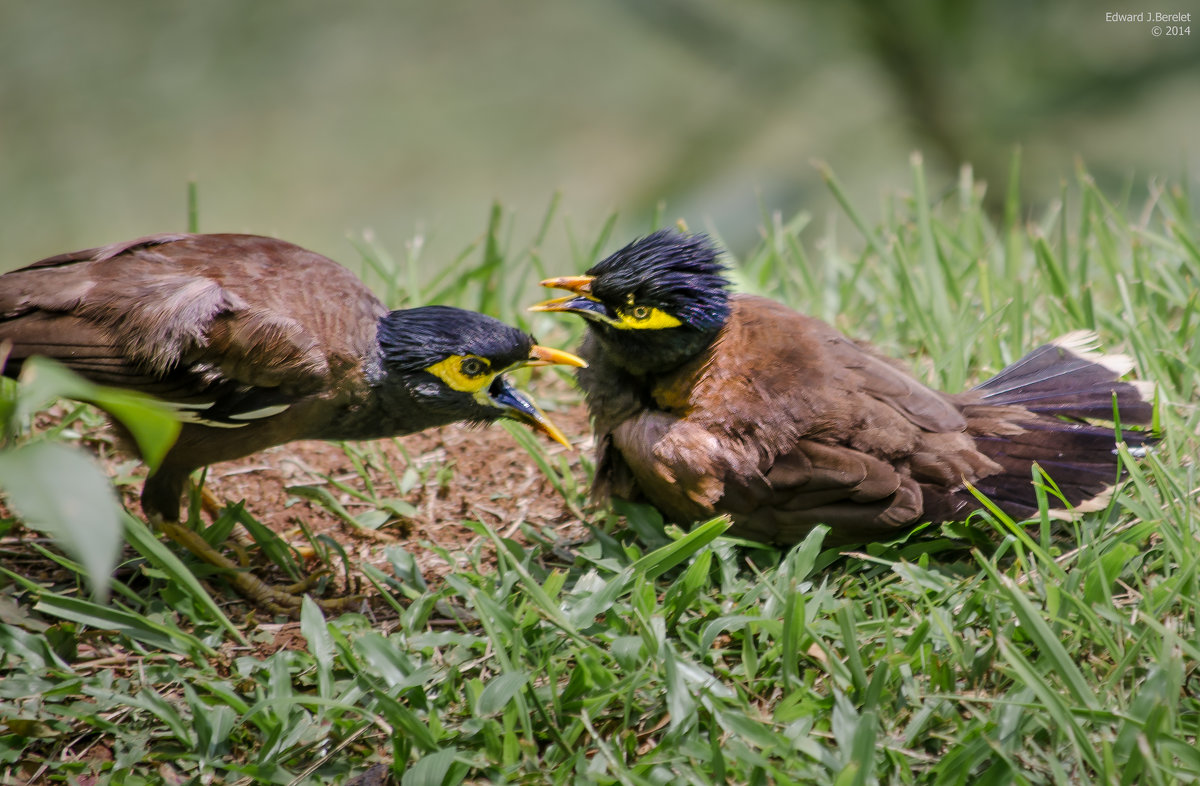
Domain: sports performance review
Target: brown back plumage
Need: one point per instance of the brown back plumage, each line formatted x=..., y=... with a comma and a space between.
x=130, y=313
x=238, y=320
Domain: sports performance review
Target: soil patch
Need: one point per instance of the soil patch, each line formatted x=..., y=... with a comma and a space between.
x=434, y=480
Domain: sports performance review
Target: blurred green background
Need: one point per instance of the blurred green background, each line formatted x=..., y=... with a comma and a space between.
x=314, y=120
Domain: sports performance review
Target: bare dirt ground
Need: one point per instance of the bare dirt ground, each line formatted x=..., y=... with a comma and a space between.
x=450, y=475
x=484, y=476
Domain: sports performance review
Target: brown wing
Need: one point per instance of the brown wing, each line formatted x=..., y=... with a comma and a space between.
x=691, y=473
x=187, y=316
x=775, y=366
x=882, y=379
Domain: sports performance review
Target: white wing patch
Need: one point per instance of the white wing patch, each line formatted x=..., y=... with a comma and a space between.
x=194, y=413
x=191, y=416
x=256, y=414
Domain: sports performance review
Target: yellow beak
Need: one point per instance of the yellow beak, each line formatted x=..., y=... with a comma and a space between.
x=557, y=304
x=547, y=427
x=580, y=285
x=545, y=356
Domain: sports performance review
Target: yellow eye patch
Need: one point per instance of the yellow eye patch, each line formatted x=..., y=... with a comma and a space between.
x=464, y=373
x=645, y=318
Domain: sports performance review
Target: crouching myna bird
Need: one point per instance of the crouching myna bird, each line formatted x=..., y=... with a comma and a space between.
x=257, y=342
x=707, y=403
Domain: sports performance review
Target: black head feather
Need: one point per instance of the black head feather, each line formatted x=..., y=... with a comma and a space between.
x=406, y=395
x=677, y=273
x=415, y=339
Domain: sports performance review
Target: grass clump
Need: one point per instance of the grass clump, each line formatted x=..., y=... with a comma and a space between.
x=985, y=652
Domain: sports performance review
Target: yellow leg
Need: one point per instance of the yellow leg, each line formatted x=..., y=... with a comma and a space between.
x=209, y=503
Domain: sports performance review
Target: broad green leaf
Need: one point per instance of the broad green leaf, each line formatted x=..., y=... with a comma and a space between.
x=663, y=559
x=145, y=543
x=316, y=631
x=432, y=770
x=60, y=491
x=499, y=691
x=136, y=626
x=153, y=426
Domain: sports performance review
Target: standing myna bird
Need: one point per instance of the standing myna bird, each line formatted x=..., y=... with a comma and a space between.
x=707, y=403
x=257, y=342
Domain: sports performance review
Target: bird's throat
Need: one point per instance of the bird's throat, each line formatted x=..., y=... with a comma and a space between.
x=647, y=353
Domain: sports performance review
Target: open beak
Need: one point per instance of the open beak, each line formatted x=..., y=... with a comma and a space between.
x=580, y=285
x=545, y=356
x=518, y=407
x=582, y=305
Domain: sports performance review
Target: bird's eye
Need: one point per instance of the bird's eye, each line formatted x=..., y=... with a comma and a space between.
x=640, y=312
x=472, y=367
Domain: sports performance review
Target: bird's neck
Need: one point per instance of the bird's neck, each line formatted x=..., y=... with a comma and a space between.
x=384, y=405
x=644, y=354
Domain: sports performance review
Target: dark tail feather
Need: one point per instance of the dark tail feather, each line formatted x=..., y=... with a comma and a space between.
x=1040, y=409
x=1069, y=378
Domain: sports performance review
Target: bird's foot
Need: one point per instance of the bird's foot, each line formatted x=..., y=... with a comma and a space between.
x=277, y=600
